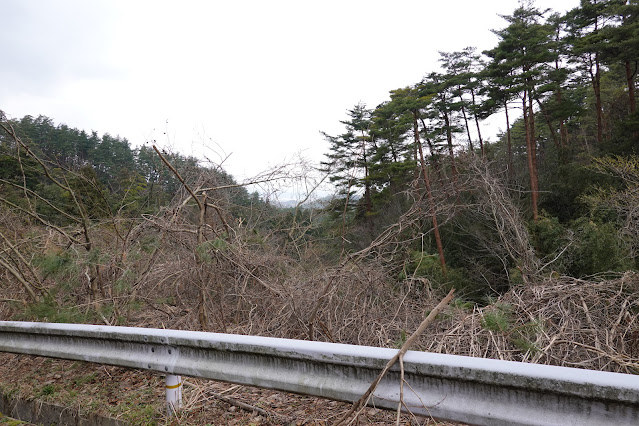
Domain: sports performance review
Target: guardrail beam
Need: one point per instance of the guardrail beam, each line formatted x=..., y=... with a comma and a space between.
x=471, y=390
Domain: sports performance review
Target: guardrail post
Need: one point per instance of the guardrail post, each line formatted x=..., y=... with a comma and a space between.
x=173, y=394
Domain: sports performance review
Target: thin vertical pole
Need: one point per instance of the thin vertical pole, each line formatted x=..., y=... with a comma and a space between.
x=173, y=394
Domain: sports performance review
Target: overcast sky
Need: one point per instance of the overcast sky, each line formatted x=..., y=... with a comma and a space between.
x=254, y=81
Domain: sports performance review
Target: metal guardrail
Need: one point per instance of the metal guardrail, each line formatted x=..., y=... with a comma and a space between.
x=458, y=388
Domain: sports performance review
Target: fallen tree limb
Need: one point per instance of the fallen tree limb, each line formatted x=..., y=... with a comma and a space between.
x=250, y=408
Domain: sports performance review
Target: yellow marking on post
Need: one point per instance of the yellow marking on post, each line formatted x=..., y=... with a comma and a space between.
x=174, y=386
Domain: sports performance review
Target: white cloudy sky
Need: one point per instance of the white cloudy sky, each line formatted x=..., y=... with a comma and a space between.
x=254, y=81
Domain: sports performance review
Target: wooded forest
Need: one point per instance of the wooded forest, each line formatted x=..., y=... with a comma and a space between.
x=537, y=229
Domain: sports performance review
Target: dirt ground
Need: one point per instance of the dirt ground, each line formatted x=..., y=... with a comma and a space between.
x=137, y=397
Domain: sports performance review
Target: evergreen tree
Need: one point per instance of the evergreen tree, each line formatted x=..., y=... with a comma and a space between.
x=525, y=48
x=392, y=166
x=462, y=72
x=349, y=159
x=586, y=26
x=622, y=43
x=441, y=113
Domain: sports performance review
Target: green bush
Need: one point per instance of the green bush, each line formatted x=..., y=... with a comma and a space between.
x=498, y=320
x=48, y=310
x=548, y=235
x=597, y=248
x=54, y=263
x=47, y=390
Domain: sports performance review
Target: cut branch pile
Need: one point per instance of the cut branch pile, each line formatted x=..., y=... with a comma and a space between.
x=563, y=321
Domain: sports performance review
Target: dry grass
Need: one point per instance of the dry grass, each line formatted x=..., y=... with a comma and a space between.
x=560, y=320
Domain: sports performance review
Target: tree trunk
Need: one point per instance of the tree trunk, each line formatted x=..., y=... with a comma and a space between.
x=563, y=131
x=533, y=146
x=630, y=79
x=451, y=152
x=598, y=104
x=530, y=154
x=596, y=87
x=509, y=145
x=429, y=194
x=481, y=141
x=367, y=185
x=548, y=121
x=431, y=148
x=470, y=140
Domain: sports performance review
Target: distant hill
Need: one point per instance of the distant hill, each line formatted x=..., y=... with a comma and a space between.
x=317, y=203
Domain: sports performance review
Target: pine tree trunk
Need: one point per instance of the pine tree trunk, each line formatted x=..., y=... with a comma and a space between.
x=429, y=195
x=548, y=121
x=470, y=140
x=530, y=153
x=451, y=152
x=509, y=146
x=630, y=79
x=367, y=185
x=563, y=131
x=431, y=149
x=533, y=146
x=481, y=141
x=596, y=86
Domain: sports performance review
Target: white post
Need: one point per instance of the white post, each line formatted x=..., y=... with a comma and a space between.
x=173, y=394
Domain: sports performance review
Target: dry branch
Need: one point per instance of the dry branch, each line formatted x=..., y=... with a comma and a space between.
x=409, y=342
x=250, y=408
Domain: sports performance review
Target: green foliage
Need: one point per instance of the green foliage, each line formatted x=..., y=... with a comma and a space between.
x=7, y=421
x=96, y=257
x=462, y=304
x=597, y=249
x=581, y=248
x=106, y=175
x=54, y=262
x=91, y=193
x=141, y=413
x=204, y=250
x=87, y=378
x=515, y=277
x=548, y=235
x=586, y=225
x=57, y=199
x=149, y=243
x=422, y=264
x=47, y=390
x=567, y=179
x=48, y=310
x=501, y=319
x=498, y=320
x=122, y=286
x=18, y=170
x=401, y=340
x=523, y=337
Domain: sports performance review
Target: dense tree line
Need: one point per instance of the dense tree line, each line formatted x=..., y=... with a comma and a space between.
x=105, y=170
x=570, y=81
